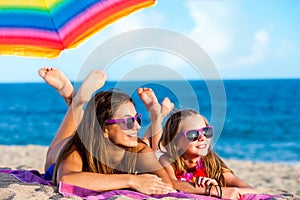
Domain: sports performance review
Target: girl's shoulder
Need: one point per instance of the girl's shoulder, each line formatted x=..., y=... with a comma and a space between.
x=165, y=158
x=75, y=156
x=142, y=147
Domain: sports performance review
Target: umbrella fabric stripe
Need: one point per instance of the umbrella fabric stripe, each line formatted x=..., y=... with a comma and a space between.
x=29, y=50
x=21, y=36
x=22, y=9
x=66, y=11
x=39, y=4
x=26, y=19
x=43, y=5
x=92, y=20
x=27, y=41
x=18, y=32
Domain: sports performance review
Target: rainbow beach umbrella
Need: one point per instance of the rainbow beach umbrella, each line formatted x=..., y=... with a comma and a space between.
x=44, y=28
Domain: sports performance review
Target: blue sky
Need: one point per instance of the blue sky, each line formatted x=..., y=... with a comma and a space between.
x=245, y=39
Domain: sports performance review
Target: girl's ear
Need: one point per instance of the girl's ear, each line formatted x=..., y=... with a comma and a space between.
x=105, y=132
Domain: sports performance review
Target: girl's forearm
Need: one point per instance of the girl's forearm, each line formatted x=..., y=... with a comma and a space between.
x=99, y=182
x=188, y=187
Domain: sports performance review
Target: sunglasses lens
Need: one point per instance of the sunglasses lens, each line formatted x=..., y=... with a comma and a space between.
x=139, y=120
x=130, y=123
x=208, y=132
x=192, y=135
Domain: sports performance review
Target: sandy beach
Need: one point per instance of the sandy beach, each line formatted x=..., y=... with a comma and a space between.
x=270, y=178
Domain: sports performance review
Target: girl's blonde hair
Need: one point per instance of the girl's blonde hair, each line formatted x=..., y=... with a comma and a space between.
x=215, y=167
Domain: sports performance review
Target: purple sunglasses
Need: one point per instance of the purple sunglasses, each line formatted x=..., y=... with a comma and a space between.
x=129, y=122
x=194, y=135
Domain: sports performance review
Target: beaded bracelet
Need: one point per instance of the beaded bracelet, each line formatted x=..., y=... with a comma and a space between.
x=207, y=190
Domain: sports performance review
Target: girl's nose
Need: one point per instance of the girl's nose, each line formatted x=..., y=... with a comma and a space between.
x=201, y=137
x=137, y=126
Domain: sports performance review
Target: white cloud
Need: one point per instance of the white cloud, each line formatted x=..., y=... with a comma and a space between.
x=259, y=49
x=212, y=25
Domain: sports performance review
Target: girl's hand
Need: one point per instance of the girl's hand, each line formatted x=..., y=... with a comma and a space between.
x=205, y=182
x=150, y=184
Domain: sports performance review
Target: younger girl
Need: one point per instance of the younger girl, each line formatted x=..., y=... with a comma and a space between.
x=191, y=164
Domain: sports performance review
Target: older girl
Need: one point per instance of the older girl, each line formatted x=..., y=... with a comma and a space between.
x=101, y=150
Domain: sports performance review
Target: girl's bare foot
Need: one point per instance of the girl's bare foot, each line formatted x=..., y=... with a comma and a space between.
x=150, y=101
x=166, y=107
x=148, y=97
x=94, y=81
x=59, y=81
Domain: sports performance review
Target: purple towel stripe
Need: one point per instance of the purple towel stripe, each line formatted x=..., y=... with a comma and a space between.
x=28, y=176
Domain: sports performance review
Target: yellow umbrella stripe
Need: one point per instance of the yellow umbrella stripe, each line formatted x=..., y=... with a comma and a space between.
x=30, y=4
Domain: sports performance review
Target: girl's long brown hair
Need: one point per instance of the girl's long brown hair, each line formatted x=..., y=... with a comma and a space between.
x=89, y=140
x=215, y=167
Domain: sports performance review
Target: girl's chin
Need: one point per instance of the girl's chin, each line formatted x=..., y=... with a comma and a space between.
x=131, y=144
x=128, y=141
x=203, y=153
x=127, y=145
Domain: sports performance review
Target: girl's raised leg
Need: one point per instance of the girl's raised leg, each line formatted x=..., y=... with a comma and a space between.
x=95, y=80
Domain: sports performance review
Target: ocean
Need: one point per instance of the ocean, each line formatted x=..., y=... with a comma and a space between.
x=262, y=120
